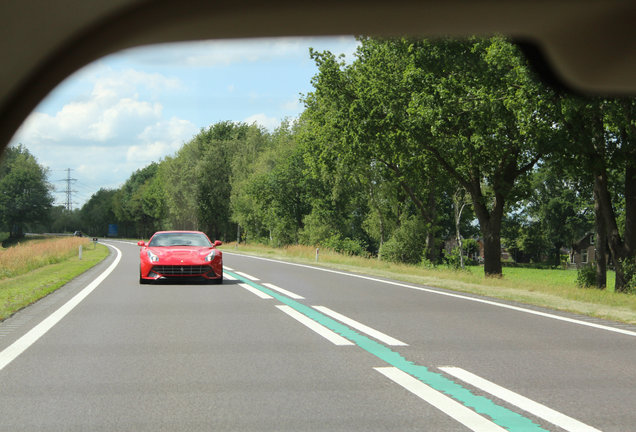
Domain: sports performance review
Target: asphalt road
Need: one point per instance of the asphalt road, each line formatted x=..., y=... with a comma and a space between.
x=317, y=350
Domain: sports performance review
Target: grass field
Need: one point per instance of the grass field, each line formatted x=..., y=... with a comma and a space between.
x=555, y=289
x=34, y=269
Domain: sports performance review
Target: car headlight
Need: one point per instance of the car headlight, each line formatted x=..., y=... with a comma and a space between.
x=209, y=257
x=152, y=257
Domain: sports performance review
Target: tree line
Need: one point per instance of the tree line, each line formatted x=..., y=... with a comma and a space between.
x=413, y=144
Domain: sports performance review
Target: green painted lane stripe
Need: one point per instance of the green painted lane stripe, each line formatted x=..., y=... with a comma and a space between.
x=501, y=416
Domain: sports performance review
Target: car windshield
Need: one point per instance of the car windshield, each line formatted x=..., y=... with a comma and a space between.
x=179, y=239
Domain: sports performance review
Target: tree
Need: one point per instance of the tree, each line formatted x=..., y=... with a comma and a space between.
x=25, y=197
x=560, y=206
x=481, y=114
x=361, y=110
x=416, y=107
x=603, y=147
x=134, y=204
x=97, y=213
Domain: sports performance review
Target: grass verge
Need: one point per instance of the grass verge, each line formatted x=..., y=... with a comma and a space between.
x=20, y=291
x=555, y=289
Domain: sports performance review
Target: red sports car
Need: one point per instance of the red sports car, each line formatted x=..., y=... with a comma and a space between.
x=180, y=256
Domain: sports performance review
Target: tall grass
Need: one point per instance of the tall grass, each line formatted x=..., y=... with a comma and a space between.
x=28, y=256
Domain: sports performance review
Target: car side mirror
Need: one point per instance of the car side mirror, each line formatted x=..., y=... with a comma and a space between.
x=140, y=243
x=217, y=243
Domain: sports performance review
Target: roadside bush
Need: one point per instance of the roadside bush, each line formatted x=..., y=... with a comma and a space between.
x=586, y=276
x=316, y=228
x=407, y=243
x=629, y=270
x=453, y=259
x=345, y=246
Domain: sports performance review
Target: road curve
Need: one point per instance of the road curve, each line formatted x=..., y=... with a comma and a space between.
x=286, y=347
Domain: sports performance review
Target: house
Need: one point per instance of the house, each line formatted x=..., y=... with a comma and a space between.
x=474, y=251
x=582, y=252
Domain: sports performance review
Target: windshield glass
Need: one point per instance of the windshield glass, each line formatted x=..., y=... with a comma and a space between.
x=179, y=239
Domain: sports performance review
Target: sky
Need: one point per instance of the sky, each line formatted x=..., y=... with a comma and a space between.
x=129, y=109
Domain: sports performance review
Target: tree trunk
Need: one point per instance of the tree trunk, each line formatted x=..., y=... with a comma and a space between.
x=616, y=245
x=458, y=205
x=600, y=243
x=430, y=250
x=490, y=227
x=492, y=252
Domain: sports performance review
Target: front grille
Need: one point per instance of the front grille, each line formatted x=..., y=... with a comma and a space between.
x=181, y=270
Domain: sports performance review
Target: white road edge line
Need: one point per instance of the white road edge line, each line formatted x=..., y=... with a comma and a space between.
x=459, y=296
x=450, y=407
x=323, y=331
x=361, y=327
x=256, y=292
x=539, y=410
x=228, y=268
x=246, y=276
x=284, y=291
x=11, y=352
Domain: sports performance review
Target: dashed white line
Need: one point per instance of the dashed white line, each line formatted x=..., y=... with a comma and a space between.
x=228, y=277
x=284, y=291
x=539, y=410
x=450, y=407
x=361, y=327
x=458, y=296
x=246, y=276
x=323, y=331
x=256, y=292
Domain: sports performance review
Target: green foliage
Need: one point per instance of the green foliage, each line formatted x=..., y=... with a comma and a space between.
x=98, y=213
x=25, y=198
x=453, y=259
x=586, y=276
x=629, y=273
x=345, y=246
x=372, y=164
x=407, y=242
x=138, y=204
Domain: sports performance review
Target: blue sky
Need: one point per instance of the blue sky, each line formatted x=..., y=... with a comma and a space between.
x=135, y=107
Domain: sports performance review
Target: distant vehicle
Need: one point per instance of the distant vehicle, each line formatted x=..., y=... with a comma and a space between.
x=77, y=234
x=180, y=256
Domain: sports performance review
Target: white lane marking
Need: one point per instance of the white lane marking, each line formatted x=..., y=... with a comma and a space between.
x=323, y=331
x=458, y=296
x=130, y=242
x=18, y=347
x=228, y=277
x=539, y=410
x=255, y=291
x=228, y=268
x=284, y=291
x=246, y=276
x=450, y=407
x=361, y=327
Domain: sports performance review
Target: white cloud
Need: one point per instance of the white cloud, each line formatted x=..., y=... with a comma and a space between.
x=221, y=53
x=292, y=105
x=160, y=139
x=109, y=131
x=269, y=123
x=112, y=111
